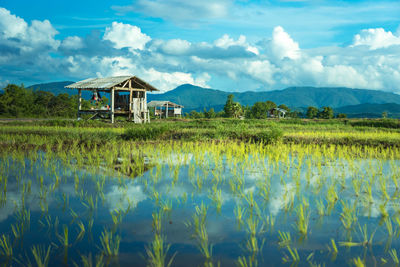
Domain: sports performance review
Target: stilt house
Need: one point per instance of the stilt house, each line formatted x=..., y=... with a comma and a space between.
x=127, y=97
x=165, y=109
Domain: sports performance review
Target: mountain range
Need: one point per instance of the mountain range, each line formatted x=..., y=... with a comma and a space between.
x=355, y=102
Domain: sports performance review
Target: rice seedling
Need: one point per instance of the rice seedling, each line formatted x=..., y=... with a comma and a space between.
x=109, y=243
x=157, y=252
x=41, y=255
x=358, y=262
x=239, y=212
x=395, y=258
x=157, y=221
x=303, y=218
x=333, y=249
x=6, y=249
x=284, y=239
x=87, y=261
x=81, y=233
x=365, y=240
x=216, y=196
x=348, y=216
x=292, y=257
x=64, y=237
x=200, y=231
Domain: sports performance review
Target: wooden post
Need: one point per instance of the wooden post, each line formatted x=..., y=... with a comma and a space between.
x=79, y=103
x=130, y=100
x=146, y=111
x=112, y=105
x=130, y=104
x=166, y=112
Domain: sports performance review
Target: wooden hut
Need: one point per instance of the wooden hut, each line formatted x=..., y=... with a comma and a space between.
x=276, y=113
x=165, y=109
x=127, y=97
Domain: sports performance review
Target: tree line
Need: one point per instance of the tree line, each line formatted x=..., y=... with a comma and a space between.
x=18, y=101
x=261, y=109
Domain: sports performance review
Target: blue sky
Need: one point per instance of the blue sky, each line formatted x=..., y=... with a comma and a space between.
x=230, y=45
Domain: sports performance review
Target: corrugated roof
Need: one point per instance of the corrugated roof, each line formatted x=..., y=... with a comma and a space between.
x=109, y=82
x=156, y=103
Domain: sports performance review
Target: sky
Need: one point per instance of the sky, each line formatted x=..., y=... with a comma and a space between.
x=229, y=45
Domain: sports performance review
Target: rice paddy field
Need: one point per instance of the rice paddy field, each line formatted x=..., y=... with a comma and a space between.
x=225, y=193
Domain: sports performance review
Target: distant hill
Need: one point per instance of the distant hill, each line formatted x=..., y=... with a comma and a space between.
x=55, y=87
x=370, y=110
x=58, y=88
x=198, y=98
x=355, y=102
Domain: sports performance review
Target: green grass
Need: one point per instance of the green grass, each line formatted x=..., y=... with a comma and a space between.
x=340, y=132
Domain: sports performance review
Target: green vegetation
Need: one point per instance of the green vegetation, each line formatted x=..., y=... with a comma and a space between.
x=17, y=101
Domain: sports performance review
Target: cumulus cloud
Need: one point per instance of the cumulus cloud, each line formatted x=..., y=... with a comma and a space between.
x=176, y=47
x=126, y=35
x=225, y=42
x=16, y=33
x=72, y=43
x=282, y=45
x=376, y=38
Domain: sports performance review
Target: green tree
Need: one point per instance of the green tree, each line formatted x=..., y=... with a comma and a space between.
x=270, y=105
x=210, y=113
x=17, y=101
x=237, y=110
x=283, y=106
x=232, y=109
x=259, y=110
x=341, y=116
x=326, y=113
x=312, y=112
x=384, y=115
x=228, y=108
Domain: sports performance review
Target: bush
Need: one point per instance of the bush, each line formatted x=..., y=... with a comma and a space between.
x=383, y=123
x=272, y=135
x=144, y=132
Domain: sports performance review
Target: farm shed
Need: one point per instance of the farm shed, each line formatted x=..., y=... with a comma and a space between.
x=277, y=113
x=166, y=109
x=127, y=97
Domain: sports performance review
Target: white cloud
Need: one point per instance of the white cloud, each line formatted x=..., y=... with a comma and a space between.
x=72, y=43
x=227, y=63
x=169, y=80
x=376, y=38
x=175, y=47
x=15, y=33
x=282, y=45
x=225, y=42
x=125, y=35
x=181, y=11
x=11, y=26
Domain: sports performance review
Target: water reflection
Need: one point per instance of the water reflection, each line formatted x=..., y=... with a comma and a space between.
x=266, y=195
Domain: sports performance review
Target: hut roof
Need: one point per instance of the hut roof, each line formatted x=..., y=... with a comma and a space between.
x=153, y=104
x=110, y=82
x=280, y=110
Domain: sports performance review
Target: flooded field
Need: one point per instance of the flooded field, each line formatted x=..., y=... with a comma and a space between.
x=195, y=204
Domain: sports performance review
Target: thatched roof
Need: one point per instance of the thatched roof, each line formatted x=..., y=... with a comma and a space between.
x=153, y=104
x=110, y=82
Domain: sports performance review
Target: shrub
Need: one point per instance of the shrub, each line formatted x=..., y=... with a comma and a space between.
x=272, y=135
x=144, y=132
